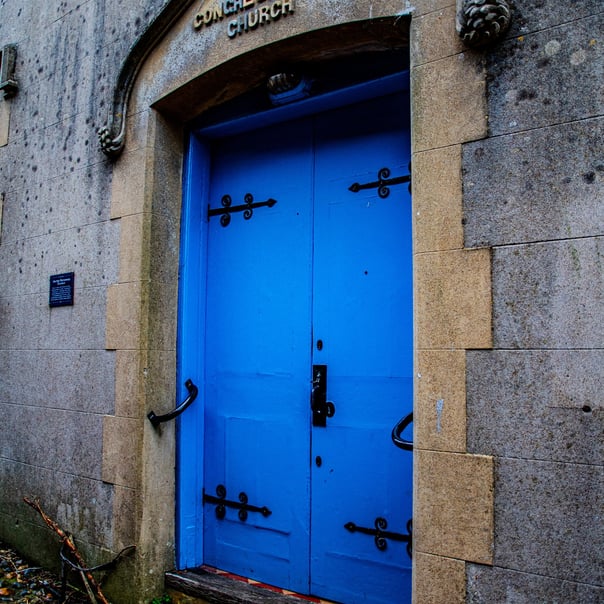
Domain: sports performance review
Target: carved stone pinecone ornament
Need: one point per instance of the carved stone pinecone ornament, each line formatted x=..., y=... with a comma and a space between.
x=482, y=22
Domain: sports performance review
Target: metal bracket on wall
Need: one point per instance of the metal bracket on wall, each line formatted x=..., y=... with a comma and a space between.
x=8, y=58
x=158, y=419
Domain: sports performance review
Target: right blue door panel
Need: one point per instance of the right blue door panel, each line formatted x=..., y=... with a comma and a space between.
x=362, y=322
x=322, y=278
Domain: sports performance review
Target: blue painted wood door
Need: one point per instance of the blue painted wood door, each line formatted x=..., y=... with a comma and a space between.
x=322, y=277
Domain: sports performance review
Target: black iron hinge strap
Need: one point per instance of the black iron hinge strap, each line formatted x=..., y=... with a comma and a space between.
x=247, y=208
x=381, y=535
x=383, y=183
x=242, y=505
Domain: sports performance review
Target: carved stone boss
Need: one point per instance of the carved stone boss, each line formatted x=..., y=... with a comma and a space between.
x=482, y=22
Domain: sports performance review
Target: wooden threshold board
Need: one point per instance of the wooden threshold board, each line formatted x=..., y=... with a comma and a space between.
x=219, y=587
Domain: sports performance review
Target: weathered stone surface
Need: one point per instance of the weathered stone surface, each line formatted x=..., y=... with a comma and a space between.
x=124, y=517
x=529, y=16
x=10, y=328
x=79, y=504
x=14, y=21
x=438, y=580
x=437, y=205
x=134, y=237
x=71, y=142
x=47, y=206
x=124, y=316
x=489, y=585
x=549, y=295
x=532, y=78
x=423, y=7
x=14, y=214
x=121, y=449
x=56, y=379
x=132, y=175
x=433, y=36
x=86, y=250
x=79, y=379
x=44, y=328
x=130, y=380
x=439, y=407
x=4, y=121
x=536, y=404
x=448, y=102
x=548, y=519
x=44, y=442
x=453, y=299
x=549, y=187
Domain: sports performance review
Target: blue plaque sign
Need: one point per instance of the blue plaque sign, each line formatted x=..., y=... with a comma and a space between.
x=61, y=290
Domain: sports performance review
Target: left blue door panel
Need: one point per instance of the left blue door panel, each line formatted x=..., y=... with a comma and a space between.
x=191, y=323
x=258, y=356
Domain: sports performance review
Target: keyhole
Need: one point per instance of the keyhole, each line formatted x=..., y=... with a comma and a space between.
x=319, y=344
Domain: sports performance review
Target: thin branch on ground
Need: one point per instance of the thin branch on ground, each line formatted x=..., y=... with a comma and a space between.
x=92, y=587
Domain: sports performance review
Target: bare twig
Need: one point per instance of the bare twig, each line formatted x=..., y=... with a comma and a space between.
x=90, y=581
x=91, y=597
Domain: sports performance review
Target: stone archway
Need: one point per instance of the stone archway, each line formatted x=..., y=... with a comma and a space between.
x=174, y=82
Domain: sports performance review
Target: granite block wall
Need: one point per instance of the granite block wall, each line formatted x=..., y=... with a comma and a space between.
x=533, y=402
x=518, y=348
x=57, y=379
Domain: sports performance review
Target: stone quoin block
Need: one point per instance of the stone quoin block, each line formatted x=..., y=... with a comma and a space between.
x=439, y=580
x=453, y=299
x=453, y=505
x=448, y=99
x=440, y=400
x=437, y=201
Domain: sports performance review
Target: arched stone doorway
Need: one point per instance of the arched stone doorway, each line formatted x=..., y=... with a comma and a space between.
x=178, y=81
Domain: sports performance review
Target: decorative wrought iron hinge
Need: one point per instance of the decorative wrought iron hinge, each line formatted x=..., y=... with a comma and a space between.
x=383, y=183
x=242, y=505
x=247, y=208
x=381, y=534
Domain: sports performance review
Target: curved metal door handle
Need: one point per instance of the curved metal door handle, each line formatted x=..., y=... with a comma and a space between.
x=158, y=419
x=397, y=439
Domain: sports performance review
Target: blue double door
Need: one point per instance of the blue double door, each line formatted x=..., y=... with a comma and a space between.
x=308, y=354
